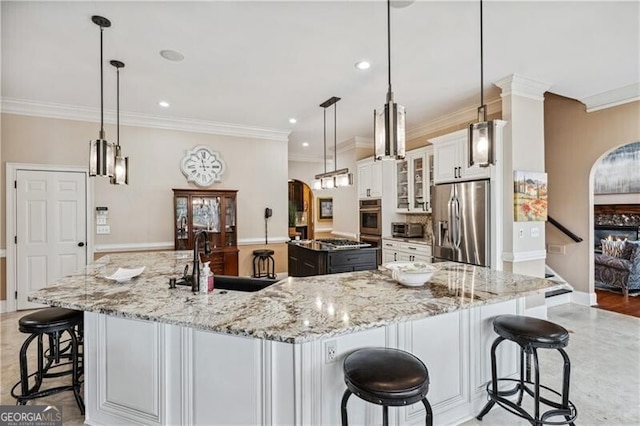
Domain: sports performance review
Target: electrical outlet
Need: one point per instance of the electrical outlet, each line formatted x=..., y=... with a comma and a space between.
x=330, y=349
x=521, y=233
x=103, y=229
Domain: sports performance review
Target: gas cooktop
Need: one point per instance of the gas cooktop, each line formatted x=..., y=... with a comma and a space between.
x=342, y=243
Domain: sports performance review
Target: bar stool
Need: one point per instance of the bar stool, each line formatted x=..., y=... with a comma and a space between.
x=52, y=322
x=530, y=334
x=263, y=264
x=387, y=377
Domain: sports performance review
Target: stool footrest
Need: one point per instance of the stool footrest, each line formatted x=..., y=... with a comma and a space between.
x=569, y=412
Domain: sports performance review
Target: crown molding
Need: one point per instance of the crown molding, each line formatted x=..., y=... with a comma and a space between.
x=354, y=143
x=611, y=98
x=517, y=85
x=466, y=115
x=72, y=112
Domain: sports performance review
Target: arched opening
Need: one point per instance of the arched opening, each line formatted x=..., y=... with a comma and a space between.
x=615, y=235
x=300, y=210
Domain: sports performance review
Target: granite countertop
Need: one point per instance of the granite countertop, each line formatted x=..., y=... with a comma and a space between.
x=293, y=310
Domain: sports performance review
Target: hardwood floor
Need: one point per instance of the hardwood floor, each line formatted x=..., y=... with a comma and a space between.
x=618, y=303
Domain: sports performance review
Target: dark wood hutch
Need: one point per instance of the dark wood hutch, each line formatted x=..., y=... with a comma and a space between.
x=213, y=211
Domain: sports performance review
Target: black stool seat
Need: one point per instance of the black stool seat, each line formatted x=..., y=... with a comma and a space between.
x=263, y=252
x=49, y=320
x=387, y=377
x=531, y=332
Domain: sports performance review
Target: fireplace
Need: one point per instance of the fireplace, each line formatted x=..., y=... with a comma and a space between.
x=602, y=232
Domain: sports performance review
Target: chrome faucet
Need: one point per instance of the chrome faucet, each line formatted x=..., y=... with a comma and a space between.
x=195, y=275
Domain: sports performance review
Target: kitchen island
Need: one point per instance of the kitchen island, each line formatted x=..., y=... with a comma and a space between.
x=330, y=256
x=155, y=355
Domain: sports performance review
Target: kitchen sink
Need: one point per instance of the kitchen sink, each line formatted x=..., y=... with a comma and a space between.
x=229, y=282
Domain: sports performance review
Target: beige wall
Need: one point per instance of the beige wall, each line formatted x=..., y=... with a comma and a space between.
x=142, y=211
x=574, y=141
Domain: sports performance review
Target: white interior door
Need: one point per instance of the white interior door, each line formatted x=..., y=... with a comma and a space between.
x=51, y=229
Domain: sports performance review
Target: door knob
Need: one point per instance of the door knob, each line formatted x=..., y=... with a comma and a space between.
x=80, y=244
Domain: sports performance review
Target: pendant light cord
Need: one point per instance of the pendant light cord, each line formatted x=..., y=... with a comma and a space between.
x=325, y=138
x=118, y=106
x=335, y=137
x=101, y=88
x=481, y=60
x=389, y=46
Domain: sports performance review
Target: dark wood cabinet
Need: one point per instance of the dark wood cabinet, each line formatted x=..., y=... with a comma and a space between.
x=305, y=262
x=213, y=211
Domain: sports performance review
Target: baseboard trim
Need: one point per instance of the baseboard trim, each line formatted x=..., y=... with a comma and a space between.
x=583, y=298
x=558, y=300
x=537, y=312
x=3, y=306
x=524, y=256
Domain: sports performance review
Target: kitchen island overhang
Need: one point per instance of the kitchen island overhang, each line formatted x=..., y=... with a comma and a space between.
x=265, y=353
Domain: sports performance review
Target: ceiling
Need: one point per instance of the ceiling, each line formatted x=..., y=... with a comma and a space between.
x=257, y=64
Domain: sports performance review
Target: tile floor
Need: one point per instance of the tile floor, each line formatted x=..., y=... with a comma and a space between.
x=604, y=348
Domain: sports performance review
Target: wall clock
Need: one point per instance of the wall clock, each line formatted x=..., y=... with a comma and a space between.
x=202, y=166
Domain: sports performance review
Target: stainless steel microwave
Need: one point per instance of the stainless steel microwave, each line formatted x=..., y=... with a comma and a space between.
x=406, y=230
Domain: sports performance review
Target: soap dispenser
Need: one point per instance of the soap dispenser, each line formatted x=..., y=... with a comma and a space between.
x=205, y=277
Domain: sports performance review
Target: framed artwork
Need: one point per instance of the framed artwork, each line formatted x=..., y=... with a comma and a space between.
x=529, y=196
x=617, y=173
x=325, y=208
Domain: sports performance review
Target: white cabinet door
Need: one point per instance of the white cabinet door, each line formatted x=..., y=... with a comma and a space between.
x=364, y=180
x=451, y=162
x=375, y=188
x=370, y=180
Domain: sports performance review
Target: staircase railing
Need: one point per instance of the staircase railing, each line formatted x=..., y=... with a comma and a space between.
x=561, y=227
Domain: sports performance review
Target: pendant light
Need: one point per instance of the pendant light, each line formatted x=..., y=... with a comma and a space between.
x=336, y=178
x=101, y=152
x=389, y=122
x=481, y=133
x=121, y=172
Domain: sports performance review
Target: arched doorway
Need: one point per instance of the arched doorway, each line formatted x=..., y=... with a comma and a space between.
x=615, y=191
x=300, y=210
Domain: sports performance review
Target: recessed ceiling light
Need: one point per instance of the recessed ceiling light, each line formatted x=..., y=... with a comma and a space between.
x=164, y=104
x=172, y=55
x=293, y=120
x=363, y=65
x=305, y=144
x=399, y=4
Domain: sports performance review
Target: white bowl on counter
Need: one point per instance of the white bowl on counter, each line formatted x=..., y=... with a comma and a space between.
x=411, y=274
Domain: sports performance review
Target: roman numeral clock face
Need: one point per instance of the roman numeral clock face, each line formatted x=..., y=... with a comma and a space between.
x=202, y=166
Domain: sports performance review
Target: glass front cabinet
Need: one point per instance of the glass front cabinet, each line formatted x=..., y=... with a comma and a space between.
x=212, y=211
x=414, y=176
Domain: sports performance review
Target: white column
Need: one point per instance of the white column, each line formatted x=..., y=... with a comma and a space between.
x=522, y=149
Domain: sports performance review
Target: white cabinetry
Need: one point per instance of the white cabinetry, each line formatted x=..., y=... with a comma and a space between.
x=395, y=250
x=369, y=179
x=413, y=180
x=451, y=162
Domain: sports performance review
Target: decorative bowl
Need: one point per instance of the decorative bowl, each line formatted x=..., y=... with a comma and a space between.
x=123, y=274
x=411, y=274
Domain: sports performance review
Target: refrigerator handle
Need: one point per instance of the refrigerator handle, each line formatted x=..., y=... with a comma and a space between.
x=442, y=230
x=457, y=224
x=452, y=238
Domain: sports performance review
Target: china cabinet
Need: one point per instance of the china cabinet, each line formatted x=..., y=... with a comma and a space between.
x=413, y=180
x=213, y=211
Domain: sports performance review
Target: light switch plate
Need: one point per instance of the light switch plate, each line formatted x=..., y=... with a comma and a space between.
x=535, y=232
x=101, y=220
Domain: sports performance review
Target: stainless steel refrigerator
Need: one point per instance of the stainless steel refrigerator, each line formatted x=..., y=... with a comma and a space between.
x=461, y=221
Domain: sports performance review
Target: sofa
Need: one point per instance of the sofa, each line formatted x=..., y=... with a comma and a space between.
x=618, y=266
